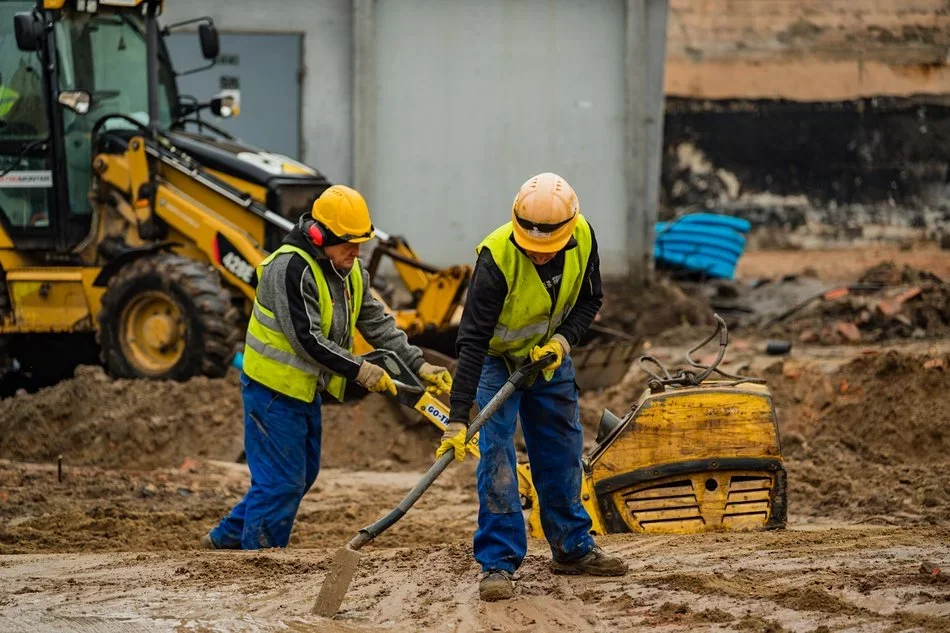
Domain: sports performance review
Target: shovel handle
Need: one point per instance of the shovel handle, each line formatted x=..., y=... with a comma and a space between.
x=516, y=380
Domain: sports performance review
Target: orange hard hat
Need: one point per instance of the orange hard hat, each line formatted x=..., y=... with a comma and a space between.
x=544, y=213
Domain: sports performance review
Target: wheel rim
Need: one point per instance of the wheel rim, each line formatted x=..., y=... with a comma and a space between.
x=152, y=332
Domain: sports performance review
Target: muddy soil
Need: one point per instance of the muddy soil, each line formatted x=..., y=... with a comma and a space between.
x=93, y=420
x=841, y=264
x=865, y=442
x=650, y=312
x=869, y=579
x=109, y=543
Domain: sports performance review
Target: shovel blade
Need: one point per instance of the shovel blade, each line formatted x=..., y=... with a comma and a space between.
x=337, y=582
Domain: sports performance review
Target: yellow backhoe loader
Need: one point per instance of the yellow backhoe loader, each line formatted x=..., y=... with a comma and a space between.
x=123, y=231
x=130, y=227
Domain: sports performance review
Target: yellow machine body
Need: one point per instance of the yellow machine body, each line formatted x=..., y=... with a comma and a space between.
x=184, y=205
x=126, y=204
x=683, y=461
x=692, y=459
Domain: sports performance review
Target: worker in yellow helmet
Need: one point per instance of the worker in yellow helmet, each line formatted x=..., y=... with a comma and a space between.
x=535, y=290
x=312, y=296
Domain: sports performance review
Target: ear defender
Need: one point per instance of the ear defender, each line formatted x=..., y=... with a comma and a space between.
x=316, y=235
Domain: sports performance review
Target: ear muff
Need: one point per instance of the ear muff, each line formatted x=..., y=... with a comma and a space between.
x=316, y=234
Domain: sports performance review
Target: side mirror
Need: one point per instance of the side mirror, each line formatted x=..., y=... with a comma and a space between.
x=210, y=45
x=226, y=105
x=28, y=28
x=76, y=100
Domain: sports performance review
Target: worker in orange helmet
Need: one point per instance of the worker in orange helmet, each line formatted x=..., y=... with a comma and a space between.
x=535, y=290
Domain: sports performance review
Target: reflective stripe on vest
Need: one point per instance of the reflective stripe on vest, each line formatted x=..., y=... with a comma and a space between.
x=270, y=359
x=528, y=318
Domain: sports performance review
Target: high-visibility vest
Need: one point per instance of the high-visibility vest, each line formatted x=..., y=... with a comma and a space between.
x=269, y=357
x=528, y=317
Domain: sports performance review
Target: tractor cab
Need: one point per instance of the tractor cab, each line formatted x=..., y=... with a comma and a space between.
x=62, y=69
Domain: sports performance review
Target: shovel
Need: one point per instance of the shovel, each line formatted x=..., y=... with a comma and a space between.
x=343, y=567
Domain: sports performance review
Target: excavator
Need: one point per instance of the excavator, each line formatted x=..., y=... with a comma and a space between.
x=131, y=226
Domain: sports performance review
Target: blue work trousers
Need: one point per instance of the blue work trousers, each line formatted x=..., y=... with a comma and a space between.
x=550, y=423
x=282, y=442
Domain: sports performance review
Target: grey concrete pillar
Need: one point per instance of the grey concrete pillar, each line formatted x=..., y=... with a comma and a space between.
x=645, y=62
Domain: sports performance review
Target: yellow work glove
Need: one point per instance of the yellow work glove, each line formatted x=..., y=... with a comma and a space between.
x=439, y=378
x=375, y=378
x=453, y=439
x=557, y=344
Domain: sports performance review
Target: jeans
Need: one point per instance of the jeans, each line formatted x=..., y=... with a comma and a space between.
x=550, y=422
x=282, y=442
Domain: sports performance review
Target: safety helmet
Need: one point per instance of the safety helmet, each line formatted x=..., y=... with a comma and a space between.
x=544, y=213
x=343, y=212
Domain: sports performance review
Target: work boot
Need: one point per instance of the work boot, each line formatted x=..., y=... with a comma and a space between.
x=595, y=563
x=207, y=543
x=496, y=584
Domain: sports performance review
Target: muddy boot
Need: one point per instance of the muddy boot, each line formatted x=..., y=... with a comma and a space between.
x=595, y=563
x=496, y=585
x=207, y=543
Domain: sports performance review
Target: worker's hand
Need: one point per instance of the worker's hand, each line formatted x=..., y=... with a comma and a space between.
x=375, y=378
x=439, y=378
x=453, y=439
x=557, y=344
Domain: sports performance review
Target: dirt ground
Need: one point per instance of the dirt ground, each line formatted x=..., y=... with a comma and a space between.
x=108, y=542
x=842, y=264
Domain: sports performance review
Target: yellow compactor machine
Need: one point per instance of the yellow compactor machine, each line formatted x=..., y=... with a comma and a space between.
x=698, y=451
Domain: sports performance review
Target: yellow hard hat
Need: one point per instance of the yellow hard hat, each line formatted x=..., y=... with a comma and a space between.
x=544, y=213
x=343, y=212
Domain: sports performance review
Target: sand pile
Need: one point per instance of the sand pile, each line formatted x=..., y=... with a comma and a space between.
x=869, y=442
x=93, y=420
x=649, y=312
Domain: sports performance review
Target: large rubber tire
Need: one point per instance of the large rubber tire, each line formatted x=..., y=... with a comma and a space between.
x=206, y=321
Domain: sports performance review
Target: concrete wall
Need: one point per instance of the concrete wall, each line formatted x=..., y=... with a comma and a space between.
x=808, y=50
x=461, y=122
x=327, y=134
x=344, y=101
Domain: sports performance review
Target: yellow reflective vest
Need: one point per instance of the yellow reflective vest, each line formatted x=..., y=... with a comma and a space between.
x=269, y=357
x=528, y=317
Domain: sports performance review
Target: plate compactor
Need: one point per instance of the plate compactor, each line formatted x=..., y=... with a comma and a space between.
x=699, y=451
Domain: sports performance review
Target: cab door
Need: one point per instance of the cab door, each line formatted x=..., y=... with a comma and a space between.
x=27, y=188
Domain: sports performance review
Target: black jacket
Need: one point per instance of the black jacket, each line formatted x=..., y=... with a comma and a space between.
x=486, y=297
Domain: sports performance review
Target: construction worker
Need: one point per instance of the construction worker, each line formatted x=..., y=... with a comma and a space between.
x=536, y=289
x=312, y=296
